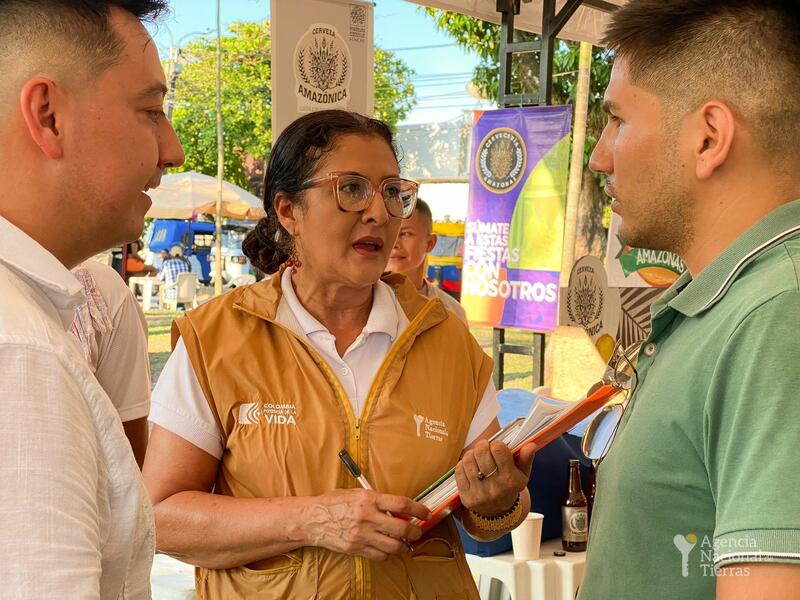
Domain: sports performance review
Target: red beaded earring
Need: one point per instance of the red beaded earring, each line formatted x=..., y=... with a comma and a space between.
x=294, y=261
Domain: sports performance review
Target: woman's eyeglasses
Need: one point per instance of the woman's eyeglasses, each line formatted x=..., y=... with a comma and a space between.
x=354, y=193
x=621, y=374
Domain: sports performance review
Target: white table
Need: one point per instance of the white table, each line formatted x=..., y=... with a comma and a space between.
x=549, y=578
x=148, y=284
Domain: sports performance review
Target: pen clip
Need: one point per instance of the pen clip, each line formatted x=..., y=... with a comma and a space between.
x=351, y=465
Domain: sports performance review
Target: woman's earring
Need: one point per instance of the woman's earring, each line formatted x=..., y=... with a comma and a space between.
x=293, y=260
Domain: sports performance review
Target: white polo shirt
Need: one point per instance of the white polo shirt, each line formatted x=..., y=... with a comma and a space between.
x=179, y=405
x=76, y=518
x=112, y=330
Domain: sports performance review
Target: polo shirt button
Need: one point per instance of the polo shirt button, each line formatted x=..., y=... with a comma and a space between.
x=650, y=348
x=345, y=371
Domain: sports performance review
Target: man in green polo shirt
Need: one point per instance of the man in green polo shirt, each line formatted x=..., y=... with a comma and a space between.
x=699, y=495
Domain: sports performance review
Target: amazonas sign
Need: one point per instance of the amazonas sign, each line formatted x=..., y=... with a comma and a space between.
x=639, y=267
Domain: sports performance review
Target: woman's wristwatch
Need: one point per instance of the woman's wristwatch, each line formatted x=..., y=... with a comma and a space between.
x=501, y=522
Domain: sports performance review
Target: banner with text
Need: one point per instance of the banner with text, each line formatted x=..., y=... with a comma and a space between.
x=515, y=221
x=639, y=267
x=322, y=57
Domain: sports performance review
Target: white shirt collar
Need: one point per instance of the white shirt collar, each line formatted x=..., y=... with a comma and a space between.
x=384, y=316
x=24, y=255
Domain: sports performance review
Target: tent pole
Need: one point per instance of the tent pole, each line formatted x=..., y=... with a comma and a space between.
x=576, y=162
x=220, y=162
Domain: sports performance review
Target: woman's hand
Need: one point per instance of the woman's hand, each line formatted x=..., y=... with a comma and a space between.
x=503, y=479
x=355, y=522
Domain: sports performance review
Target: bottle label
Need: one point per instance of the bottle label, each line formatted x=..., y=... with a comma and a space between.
x=575, y=520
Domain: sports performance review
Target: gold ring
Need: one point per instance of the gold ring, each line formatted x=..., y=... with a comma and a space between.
x=482, y=476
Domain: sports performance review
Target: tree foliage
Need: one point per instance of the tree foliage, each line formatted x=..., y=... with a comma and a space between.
x=394, y=92
x=247, y=101
x=483, y=38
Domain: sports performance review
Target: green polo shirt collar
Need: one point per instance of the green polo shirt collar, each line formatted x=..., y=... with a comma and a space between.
x=693, y=296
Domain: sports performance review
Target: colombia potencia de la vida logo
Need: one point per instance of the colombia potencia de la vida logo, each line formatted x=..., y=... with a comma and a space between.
x=322, y=68
x=501, y=160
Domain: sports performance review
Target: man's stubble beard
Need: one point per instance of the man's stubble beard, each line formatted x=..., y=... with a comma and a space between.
x=666, y=221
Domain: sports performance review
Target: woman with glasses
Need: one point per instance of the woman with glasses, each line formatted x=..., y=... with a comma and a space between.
x=268, y=383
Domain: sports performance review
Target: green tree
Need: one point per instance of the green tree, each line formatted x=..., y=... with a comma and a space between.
x=247, y=101
x=394, y=92
x=483, y=38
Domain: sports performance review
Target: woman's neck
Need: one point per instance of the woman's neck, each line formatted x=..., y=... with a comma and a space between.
x=342, y=309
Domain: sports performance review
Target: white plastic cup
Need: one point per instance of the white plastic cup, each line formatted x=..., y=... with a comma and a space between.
x=527, y=537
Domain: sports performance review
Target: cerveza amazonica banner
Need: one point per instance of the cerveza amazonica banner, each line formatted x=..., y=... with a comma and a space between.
x=515, y=225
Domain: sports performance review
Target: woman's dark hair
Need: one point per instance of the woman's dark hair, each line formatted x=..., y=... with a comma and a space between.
x=294, y=158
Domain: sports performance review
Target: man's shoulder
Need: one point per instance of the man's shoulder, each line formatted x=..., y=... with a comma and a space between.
x=111, y=285
x=772, y=275
x=21, y=314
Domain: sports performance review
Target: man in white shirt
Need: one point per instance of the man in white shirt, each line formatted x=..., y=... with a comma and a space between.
x=82, y=137
x=415, y=240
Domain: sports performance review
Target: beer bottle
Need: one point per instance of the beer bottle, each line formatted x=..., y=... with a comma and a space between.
x=574, y=515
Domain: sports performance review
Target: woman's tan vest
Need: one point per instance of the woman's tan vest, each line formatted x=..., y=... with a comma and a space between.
x=285, y=417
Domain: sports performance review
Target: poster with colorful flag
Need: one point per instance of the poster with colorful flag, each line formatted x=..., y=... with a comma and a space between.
x=515, y=222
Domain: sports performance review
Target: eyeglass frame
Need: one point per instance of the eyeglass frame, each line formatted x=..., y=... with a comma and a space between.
x=626, y=358
x=333, y=177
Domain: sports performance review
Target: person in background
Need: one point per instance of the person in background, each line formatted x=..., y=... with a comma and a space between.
x=698, y=495
x=112, y=331
x=135, y=265
x=173, y=266
x=162, y=256
x=415, y=240
x=269, y=382
x=83, y=136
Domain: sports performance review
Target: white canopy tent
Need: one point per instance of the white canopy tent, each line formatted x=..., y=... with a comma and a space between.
x=186, y=195
x=586, y=25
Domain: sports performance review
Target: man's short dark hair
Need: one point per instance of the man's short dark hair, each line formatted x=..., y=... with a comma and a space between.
x=425, y=214
x=743, y=52
x=81, y=26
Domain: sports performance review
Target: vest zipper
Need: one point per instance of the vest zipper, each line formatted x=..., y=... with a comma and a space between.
x=360, y=567
x=360, y=578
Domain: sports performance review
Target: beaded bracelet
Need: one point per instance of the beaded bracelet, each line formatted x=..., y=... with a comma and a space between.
x=500, y=522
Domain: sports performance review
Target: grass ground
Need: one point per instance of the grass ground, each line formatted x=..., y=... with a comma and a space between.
x=518, y=369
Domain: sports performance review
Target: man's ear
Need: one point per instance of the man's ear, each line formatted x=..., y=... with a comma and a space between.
x=717, y=129
x=37, y=102
x=286, y=211
x=431, y=242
